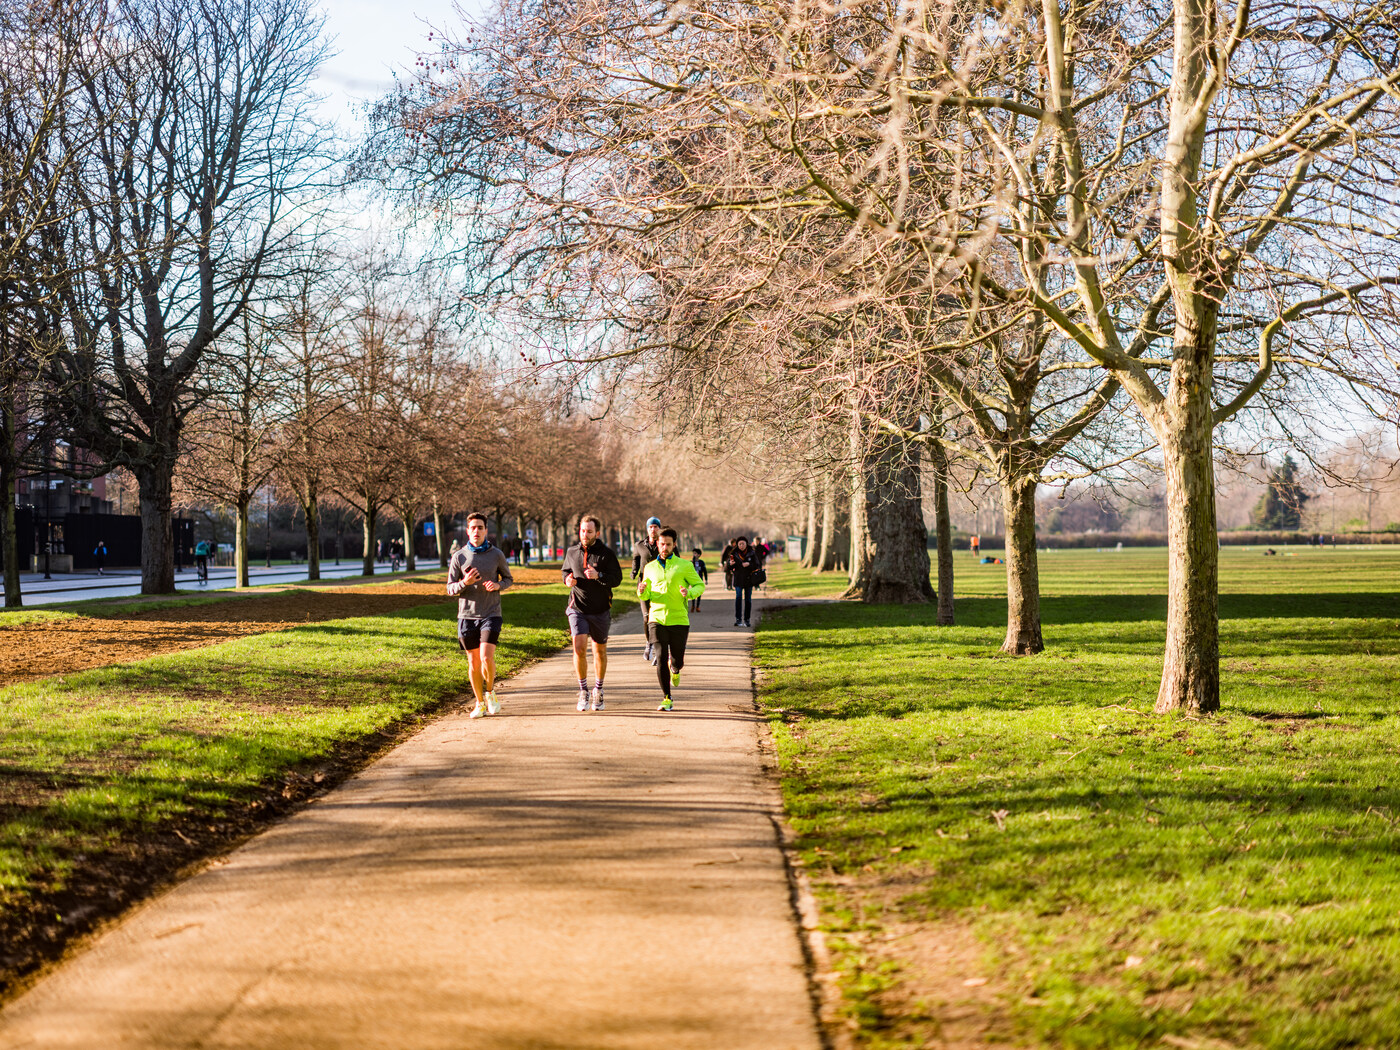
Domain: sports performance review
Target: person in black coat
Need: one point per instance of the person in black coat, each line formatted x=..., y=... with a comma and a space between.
x=743, y=563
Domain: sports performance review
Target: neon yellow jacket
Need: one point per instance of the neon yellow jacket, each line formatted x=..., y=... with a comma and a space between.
x=661, y=585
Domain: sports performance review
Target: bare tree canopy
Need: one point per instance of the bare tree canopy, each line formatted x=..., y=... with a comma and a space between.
x=204, y=159
x=1189, y=201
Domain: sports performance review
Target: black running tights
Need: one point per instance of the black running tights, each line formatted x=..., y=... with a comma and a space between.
x=670, y=651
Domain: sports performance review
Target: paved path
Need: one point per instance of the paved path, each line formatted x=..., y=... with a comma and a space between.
x=124, y=583
x=541, y=879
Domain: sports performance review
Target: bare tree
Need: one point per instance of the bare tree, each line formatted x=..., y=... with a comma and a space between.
x=309, y=337
x=41, y=72
x=183, y=205
x=232, y=440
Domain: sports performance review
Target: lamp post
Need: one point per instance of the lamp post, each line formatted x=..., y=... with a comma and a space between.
x=269, y=525
x=48, y=525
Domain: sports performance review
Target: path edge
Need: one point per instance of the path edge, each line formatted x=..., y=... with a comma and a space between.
x=823, y=991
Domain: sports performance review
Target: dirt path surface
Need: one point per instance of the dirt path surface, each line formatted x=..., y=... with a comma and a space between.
x=541, y=879
x=37, y=650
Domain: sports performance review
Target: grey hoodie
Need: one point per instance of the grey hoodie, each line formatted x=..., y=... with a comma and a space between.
x=475, y=602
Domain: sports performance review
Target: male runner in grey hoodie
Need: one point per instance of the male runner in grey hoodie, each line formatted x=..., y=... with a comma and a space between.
x=476, y=576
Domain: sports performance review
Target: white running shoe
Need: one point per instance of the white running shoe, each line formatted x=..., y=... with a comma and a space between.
x=493, y=706
x=478, y=710
x=597, y=699
x=582, y=704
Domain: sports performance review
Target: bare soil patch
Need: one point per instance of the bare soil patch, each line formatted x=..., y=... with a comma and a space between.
x=38, y=650
x=922, y=982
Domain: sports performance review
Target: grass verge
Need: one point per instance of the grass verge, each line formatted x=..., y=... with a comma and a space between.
x=118, y=778
x=1018, y=851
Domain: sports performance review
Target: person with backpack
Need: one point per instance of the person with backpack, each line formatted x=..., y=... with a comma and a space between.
x=99, y=555
x=202, y=550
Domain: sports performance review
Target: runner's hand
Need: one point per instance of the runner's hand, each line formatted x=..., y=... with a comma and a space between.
x=641, y=586
x=685, y=591
x=573, y=580
x=591, y=573
x=492, y=585
x=472, y=575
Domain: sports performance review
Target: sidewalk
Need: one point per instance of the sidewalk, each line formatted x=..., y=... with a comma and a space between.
x=123, y=583
x=542, y=879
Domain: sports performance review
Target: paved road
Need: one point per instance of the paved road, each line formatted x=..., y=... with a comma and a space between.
x=73, y=587
x=541, y=879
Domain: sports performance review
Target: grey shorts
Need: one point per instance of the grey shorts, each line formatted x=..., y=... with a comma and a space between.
x=595, y=625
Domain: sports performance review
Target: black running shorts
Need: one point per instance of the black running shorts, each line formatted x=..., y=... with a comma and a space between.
x=595, y=625
x=471, y=633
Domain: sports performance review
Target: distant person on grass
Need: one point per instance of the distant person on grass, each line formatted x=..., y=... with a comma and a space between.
x=667, y=582
x=643, y=554
x=591, y=570
x=476, y=576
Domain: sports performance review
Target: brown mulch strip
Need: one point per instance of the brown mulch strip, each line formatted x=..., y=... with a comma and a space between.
x=38, y=650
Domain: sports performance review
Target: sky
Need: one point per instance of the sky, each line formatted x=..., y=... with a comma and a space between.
x=372, y=39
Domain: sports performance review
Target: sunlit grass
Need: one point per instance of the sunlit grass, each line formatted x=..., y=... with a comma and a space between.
x=1129, y=876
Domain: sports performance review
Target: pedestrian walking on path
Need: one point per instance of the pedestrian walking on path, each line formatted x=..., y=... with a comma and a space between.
x=744, y=564
x=667, y=583
x=99, y=555
x=643, y=554
x=591, y=570
x=476, y=576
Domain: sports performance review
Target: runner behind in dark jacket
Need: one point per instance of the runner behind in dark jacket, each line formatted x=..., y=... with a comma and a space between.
x=697, y=559
x=643, y=554
x=591, y=571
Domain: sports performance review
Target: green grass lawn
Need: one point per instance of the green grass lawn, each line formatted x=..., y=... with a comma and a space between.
x=98, y=762
x=1122, y=879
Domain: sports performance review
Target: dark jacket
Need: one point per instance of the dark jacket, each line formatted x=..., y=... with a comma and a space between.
x=744, y=563
x=643, y=553
x=591, y=596
x=699, y=564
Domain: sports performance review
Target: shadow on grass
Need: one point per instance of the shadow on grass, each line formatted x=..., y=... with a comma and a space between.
x=1127, y=829
x=1100, y=608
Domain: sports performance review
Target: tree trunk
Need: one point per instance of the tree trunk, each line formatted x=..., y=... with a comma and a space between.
x=855, y=561
x=437, y=532
x=1191, y=668
x=240, y=542
x=312, y=509
x=809, y=555
x=9, y=541
x=893, y=547
x=410, y=556
x=154, y=481
x=371, y=519
x=944, y=530
x=1022, y=568
x=835, y=535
